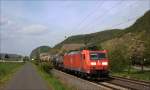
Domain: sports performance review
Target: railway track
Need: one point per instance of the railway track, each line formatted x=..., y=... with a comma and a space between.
x=121, y=83
x=130, y=83
x=118, y=83
x=112, y=86
x=88, y=84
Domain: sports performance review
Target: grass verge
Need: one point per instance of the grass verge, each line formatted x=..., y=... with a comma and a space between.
x=52, y=81
x=135, y=74
x=6, y=71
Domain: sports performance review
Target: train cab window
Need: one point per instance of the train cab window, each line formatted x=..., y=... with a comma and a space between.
x=97, y=56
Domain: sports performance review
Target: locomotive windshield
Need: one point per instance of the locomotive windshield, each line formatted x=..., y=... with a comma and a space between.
x=97, y=56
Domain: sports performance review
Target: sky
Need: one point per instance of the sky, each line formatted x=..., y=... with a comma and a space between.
x=27, y=24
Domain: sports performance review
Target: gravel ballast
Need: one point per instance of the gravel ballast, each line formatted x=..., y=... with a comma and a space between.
x=77, y=83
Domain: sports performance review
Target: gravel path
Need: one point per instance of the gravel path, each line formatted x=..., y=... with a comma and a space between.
x=27, y=78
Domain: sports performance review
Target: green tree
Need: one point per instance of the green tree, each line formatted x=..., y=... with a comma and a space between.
x=26, y=58
x=137, y=50
x=118, y=59
x=37, y=58
x=6, y=56
x=118, y=62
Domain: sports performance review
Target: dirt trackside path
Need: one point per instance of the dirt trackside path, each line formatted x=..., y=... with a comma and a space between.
x=27, y=78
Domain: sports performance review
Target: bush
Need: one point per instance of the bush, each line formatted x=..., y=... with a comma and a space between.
x=117, y=61
x=36, y=62
x=46, y=66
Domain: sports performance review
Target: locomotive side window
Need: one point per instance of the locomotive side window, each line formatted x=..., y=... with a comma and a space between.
x=83, y=56
x=97, y=56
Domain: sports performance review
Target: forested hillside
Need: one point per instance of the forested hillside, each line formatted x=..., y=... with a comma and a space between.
x=127, y=46
x=38, y=50
x=130, y=45
x=142, y=24
x=97, y=37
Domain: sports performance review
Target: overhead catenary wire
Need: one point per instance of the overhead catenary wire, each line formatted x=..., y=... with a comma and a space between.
x=84, y=19
x=102, y=18
x=131, y=19
x=103, y=15
x=122, y=23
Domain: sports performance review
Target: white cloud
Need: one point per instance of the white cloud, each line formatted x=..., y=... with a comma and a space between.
x=34, y=29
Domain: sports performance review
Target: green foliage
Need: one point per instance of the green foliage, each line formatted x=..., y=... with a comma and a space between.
x=6, y=56
x=38, y=50
x=46, y=66
x=95, y=38
x=146, y=37
x=136, y=74
x=119, y=43
x=117, y=61
x=26, y=58
x=91, y=47
x=36, y=58
x=141, y=24
x=53, y=82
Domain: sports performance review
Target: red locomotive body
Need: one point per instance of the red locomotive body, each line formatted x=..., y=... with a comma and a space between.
x=87, y=62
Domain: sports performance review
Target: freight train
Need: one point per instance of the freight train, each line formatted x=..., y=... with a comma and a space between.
x=92, y=63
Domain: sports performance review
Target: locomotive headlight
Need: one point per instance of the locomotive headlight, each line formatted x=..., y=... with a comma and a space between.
x=104, y=63
x=93, y=63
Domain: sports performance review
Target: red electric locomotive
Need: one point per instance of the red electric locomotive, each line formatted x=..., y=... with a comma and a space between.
x=87, y=62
